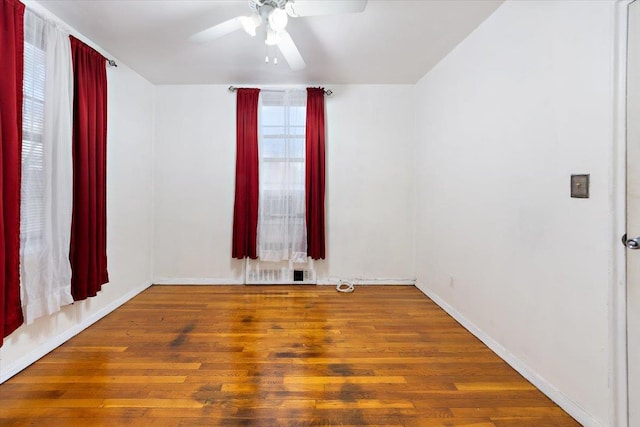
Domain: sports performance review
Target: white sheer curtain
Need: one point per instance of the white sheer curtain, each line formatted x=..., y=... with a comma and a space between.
x=282, y=231
x=47, y=180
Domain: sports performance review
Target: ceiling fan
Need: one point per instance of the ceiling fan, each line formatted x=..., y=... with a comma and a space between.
x=274, y=14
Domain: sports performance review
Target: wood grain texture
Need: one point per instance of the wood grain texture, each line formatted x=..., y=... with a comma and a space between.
x=275, y=356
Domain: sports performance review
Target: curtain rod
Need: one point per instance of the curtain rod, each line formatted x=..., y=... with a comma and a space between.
x=328, y=92
x=111, y=62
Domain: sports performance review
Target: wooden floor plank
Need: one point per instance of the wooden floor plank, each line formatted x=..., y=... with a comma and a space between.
x=275, y=356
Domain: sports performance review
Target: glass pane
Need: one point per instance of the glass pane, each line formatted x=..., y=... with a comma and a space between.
x=297, y=116
x=274, y=148
x=33, y=115
x=274, y=130
x=34, y=71
x=32, y=206
x=272, y=175
x=297, y=176
x=297, y=131
x=296, y=148
x=272, y=116
x=32, y=155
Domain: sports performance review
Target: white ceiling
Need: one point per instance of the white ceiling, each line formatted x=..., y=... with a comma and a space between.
x=392, y=41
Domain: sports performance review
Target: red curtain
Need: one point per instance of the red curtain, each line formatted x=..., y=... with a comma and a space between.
x=88, y=253
x=315, y=173
x=245, y=211
x=11, y=75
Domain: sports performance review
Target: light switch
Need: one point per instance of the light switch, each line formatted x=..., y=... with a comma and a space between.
x=580, y=186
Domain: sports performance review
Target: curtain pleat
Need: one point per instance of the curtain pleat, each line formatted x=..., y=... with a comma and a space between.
x=315, y=169
x=245, y=210
x=88, y=253
x=11, y=93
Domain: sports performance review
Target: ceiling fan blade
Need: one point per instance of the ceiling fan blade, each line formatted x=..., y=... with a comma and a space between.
x=290, y=51
x=325, y=7
x=217, y=31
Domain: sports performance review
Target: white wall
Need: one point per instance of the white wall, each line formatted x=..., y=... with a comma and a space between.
x=194, y=170
x=503, y=121
x=369, y=185
x=129, y=221
x=370, y=182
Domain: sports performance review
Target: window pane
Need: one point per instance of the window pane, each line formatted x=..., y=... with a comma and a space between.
x=273, y=174
x=34, y=71
x=272, y=116
x=274, y=148
x=32, y=115
x=274, y=130
x=297, y=116
x=32, y=204
x=297, y=130
x=297, y=148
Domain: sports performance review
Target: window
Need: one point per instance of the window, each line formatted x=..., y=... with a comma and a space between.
x=33, y=176
x=281, y=218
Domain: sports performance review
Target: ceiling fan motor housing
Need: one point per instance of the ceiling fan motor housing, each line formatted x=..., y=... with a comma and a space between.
x=257, y=5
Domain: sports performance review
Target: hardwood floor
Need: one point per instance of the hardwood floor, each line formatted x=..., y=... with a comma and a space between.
x=275, y=356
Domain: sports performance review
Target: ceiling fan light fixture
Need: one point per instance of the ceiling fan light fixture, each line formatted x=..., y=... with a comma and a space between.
x=250, y=23
x=278, y=19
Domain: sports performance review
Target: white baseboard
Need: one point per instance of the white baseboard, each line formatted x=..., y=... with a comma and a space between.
x=211, y=281
x=54, y=342
x=574, y=409
x=197, y=281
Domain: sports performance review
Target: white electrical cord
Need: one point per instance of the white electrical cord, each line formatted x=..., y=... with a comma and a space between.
x=345, y=287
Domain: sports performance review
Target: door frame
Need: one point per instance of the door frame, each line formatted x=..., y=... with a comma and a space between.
x=618, y=373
